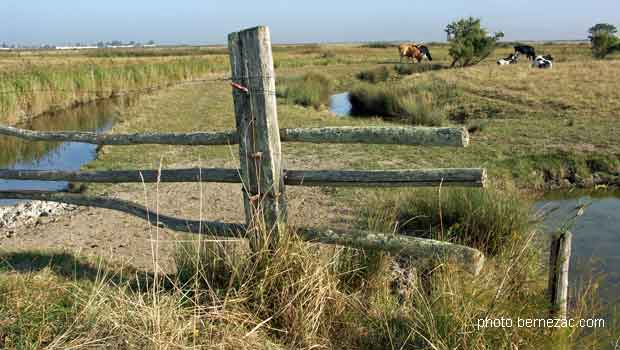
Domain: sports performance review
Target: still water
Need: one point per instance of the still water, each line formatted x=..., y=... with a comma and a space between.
x=340, y=105
x=20, y=154
x=596, y=237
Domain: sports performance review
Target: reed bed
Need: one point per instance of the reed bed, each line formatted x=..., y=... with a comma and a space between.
x=37, y=89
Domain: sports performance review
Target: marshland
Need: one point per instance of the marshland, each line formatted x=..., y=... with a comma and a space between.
x=101, y=279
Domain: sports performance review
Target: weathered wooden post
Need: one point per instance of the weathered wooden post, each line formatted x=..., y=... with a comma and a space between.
x=558, y=273
x=254, y=86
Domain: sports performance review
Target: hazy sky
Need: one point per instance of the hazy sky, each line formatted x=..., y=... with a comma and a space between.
x=209, y=21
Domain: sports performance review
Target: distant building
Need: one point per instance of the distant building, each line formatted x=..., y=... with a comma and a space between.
x=75, y=47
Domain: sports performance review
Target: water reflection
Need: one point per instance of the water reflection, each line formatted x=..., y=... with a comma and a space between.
x=20, y=154
x=340, y=105
x=596, y=237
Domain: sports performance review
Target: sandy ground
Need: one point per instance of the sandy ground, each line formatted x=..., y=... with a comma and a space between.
x=120, y=237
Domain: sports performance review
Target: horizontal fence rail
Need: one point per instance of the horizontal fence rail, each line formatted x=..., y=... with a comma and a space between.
x=334, y=178
x=421, y=249
x=422, y=136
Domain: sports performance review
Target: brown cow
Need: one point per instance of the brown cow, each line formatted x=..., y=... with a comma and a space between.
x=408, y=50
x=414, y=51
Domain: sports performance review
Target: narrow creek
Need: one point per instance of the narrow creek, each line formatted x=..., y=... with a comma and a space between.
x=596, y=234
x=18, y=154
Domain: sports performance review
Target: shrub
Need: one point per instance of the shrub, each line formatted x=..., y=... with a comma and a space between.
x=311, y=90
x=604, y=40
x=374, y=76
x=469, y=42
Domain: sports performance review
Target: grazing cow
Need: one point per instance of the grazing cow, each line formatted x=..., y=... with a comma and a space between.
x=407, y=50
x=412, y=51
x=542, y=62
x=526, y=50
x=511, y=59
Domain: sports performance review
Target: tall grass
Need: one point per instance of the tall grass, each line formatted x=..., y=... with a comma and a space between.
x=37, y=89
x=489, y=220
x=299, y=295
x=311, y=90
x=420, y=104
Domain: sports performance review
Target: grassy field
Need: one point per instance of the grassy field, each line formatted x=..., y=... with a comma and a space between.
x=532, y=129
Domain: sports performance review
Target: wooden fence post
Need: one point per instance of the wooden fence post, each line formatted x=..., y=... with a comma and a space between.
x=253, y=81
x=558, y=273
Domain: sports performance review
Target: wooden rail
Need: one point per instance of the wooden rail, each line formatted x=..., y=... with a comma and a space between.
x=333, y=178
x=413, y=136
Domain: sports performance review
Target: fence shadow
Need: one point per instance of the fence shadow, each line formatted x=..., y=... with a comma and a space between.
x=69, y=266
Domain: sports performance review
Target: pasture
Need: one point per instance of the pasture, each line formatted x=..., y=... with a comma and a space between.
x=118, y=282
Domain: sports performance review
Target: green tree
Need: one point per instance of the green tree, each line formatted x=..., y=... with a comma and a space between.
x=470, y=43
x=602, y=27
x=603, y=39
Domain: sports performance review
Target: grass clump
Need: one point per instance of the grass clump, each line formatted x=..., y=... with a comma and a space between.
x=293, y=286
x=311, y=90
x=374, y=76
x=409, y=69
x=420, y=104
x=488, y=219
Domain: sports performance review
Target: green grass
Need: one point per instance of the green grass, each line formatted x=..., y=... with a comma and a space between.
x=311, y=90
x=487, y=219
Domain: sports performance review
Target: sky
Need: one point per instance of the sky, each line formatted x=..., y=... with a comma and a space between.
x=35, y=22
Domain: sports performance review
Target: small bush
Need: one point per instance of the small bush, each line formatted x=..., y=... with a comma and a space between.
x=469, y=42
x=374, y=76
x=311, y=90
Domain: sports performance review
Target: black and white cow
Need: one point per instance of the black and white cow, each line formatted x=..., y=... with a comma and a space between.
x=511, y=59
x=543, y=62
x=526, y=50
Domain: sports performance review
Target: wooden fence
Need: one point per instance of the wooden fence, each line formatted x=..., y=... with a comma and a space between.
x=261, y=174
